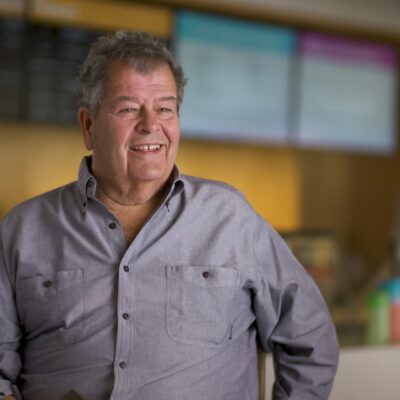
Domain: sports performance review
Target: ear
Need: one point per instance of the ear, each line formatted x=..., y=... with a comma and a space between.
x=86, y=123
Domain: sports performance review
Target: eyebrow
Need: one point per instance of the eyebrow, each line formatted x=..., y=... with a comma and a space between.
x=167, y=98
x=133, y=98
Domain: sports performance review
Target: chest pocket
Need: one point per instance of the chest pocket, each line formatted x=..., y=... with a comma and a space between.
x=51, y=308
x=200, y=302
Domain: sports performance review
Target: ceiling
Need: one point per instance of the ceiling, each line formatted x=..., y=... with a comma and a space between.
x=375, y=16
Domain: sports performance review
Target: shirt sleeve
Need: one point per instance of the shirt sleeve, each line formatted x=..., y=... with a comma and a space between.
x=10, y=334
x=293, y=323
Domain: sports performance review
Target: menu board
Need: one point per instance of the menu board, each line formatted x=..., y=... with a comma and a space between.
x=13, y=47
x=239, y=78
x=38, y=69
x=248, y=81
x=347, y=94
x=54, y=56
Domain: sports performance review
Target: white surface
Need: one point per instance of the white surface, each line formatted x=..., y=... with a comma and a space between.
x=337, y=108
x=239, y=75
x=241, y=101
x=367, y=373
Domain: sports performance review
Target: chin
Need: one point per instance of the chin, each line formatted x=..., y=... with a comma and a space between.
x=148, y=178
x=150, y=174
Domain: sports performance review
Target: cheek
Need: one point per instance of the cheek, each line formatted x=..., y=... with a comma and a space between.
x=111, y=139
x=173, y=133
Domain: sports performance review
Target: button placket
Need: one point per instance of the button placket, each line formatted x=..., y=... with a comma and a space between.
x=124, y=335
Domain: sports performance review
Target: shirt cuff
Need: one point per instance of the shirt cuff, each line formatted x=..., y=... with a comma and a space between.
x=7, y=389
x=4, y=393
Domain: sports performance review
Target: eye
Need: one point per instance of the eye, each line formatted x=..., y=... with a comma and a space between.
x=165, y=112
x=128, y=110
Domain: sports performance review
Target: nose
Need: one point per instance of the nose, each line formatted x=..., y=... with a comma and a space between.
x=148, y=122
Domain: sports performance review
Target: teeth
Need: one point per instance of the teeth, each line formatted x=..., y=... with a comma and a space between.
x=148, y=147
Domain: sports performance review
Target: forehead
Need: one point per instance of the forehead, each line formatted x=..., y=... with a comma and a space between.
x=122, y=76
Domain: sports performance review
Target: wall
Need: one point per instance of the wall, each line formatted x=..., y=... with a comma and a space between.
x=366, y=373
x=269, y=177
x=354, y=195
x=375, y=189
x=35, y=158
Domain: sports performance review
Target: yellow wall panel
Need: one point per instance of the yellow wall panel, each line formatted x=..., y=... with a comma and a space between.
x=37, y=158
x=12, y=7
x=104, y=15
x=268, y=177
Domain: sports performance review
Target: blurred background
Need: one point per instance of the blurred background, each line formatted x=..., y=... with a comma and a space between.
x=293, y=102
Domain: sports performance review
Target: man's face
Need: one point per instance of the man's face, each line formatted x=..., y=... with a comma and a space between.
x=135, y=133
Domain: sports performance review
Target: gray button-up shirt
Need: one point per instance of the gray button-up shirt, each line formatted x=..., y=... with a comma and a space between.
x=175, y=315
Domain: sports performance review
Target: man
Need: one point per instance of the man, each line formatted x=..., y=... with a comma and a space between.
x=137, y=282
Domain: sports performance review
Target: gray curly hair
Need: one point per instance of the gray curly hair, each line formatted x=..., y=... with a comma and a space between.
x=140, y=50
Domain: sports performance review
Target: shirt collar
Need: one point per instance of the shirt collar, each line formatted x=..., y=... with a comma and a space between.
x=87, y=184
x=176, y=185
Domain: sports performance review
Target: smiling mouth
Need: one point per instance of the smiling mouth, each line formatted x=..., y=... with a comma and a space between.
x=146, y=148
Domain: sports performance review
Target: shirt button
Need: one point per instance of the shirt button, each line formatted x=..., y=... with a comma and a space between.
x=125, y=316
x=47, y=283
x=122, y=365
x=206, y=274
x=126, y=268
x=112, y=225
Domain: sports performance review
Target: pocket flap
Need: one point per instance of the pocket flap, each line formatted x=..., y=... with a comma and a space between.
x=204, y=276
x=49, y=284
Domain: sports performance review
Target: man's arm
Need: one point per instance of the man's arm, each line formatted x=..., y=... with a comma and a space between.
x=10, y=362
x=294, y=323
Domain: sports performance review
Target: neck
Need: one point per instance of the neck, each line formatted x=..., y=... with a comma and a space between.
x=134, y=196
x=139, y=195
x=131, y=211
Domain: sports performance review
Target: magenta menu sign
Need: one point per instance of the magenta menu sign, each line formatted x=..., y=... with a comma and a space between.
x=347, y=96
x=347, y=50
